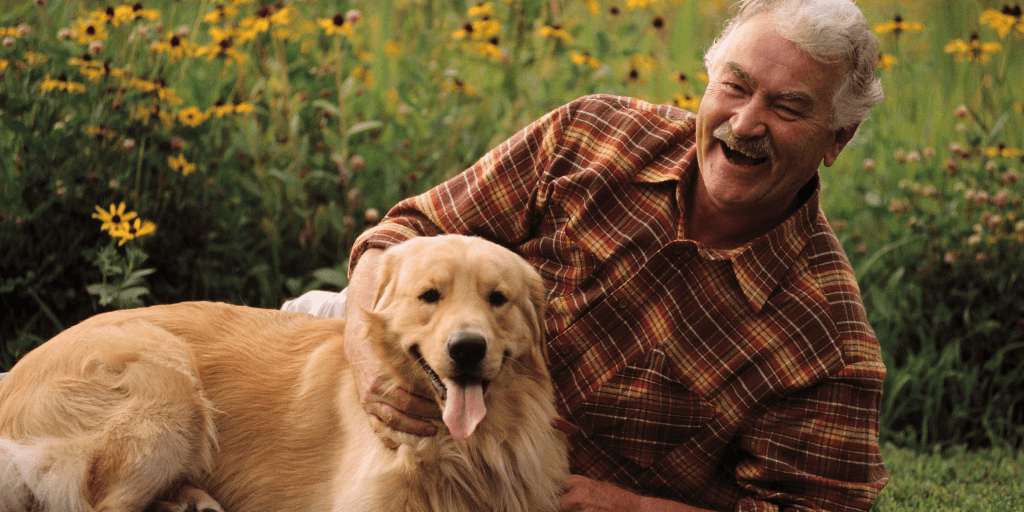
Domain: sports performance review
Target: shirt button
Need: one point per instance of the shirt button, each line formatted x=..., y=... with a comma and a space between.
x=623, y=303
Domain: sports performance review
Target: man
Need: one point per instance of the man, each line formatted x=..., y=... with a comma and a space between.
x=705, y=329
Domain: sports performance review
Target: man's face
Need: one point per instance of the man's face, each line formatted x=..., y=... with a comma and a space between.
x=768, y=99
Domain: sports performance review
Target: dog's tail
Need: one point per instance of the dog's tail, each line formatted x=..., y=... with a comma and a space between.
x=42, y=475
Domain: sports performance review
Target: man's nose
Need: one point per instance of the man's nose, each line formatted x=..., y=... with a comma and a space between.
x=748, y=121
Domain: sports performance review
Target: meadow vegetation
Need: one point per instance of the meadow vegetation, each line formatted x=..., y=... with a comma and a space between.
x=231, y=150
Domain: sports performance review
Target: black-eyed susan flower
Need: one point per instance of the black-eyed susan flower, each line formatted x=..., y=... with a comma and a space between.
x=89, y=30
x=335, y=25
x=192, y=116
x=113, y=218
x=221, y=12
x=886, y=61
x=392, y=48
x=457, y=85
x=266, y=16
x=640, y=67
x=131, y=231
x=555, y=31
x=636, y=4
x=1001, y=150
x=180, y=164
x=482, y=9
x=223, y=46
x=139, y=12
x=1004, y=20
x=61, y=83
x=972, y=50
x=584, y=59
x=221, y=109
x=593, y=7
x=898, y=26
x=686, y=101
x=173, y=45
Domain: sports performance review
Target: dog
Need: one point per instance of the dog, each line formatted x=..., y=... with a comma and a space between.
x=212, y=407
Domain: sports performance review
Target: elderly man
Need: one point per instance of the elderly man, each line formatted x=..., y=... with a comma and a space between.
x=705, y=328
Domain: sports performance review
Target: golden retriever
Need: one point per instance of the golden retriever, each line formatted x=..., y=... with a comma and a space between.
x=212, y=407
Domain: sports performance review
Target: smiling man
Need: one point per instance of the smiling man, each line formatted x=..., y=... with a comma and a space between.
x=705, y=329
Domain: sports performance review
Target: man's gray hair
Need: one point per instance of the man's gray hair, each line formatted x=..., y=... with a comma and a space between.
x=828, y=31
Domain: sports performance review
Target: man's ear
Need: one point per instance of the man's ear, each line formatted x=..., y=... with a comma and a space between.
x=843, y=137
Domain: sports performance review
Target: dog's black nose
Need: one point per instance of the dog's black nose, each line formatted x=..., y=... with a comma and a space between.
x=467, y=349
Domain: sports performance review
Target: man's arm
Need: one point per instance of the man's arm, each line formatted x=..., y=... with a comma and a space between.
x=396, y=408
x=586, y=495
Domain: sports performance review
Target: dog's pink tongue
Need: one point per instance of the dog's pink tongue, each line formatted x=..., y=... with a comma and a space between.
x=463, y=408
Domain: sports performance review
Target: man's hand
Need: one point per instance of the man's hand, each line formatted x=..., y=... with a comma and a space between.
x=586, y=495
x=384, y=403
x=393, y=406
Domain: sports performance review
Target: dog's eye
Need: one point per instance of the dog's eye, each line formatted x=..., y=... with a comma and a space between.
x=431, y=296
x=497, y=299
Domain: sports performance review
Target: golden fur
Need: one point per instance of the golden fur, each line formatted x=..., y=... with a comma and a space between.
x=252, y=409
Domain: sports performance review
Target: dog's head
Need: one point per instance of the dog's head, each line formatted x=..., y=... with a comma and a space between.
x=454, y=314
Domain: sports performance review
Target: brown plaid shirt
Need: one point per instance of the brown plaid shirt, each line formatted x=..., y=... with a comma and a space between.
x=746, y=379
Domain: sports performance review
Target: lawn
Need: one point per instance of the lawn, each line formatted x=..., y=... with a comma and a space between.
x=952, y=480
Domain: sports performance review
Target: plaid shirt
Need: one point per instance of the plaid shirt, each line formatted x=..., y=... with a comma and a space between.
x=746, y=379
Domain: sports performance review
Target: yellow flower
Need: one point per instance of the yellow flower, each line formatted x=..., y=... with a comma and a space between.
x=457, y=85
x=223, y=45
x=489, y=49
x=1003, y=21
x=886, y=61
x=221, y=109
x=581, y=59
x=181, y=165
x=174, y=46
x=640, y=67
x=192, y=116
x=132, y=231
x=686, y=101
x=392, y=48
x=89, y=31
x=115, y=218
x=556, y=31
x=1003, y=151
x=635, y=4
x=897, y=26
x=61, y=83
x=973, y=50
x=482, y=9
x=220, y=12
x=3, y=64
x=593, y=7
x=244, y=108
x=335, y=25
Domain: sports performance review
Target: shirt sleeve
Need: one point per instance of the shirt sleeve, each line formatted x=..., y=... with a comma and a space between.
x=818, y=449
x=496, y=198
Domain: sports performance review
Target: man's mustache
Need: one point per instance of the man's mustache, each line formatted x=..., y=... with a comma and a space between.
x=760, y=147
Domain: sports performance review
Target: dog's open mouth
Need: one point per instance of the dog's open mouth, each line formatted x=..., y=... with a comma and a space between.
x=462, y=396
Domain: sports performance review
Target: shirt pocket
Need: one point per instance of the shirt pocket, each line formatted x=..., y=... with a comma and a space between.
x=642, y=413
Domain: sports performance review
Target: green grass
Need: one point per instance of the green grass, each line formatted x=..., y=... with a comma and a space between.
x=952, y=480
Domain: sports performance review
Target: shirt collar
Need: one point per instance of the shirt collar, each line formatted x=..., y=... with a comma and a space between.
x=761, y=264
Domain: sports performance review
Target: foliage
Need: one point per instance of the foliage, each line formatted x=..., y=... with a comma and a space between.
x=951, y=480
x=254, y=140
x=932, y=218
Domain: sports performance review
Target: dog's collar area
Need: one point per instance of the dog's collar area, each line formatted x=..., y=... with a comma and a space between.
x=432, y=376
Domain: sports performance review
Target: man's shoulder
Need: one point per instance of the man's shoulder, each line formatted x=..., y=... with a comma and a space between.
x=608, y=104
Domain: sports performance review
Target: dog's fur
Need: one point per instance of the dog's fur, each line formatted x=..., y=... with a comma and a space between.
x=149, y=408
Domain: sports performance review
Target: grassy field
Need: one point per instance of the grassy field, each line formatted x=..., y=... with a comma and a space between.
x=952, y=481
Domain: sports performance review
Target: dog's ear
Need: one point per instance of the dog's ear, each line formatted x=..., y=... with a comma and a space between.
x=386, y=282
x=535, y=310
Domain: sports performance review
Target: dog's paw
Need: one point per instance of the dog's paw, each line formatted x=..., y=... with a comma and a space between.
x=187, y=499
